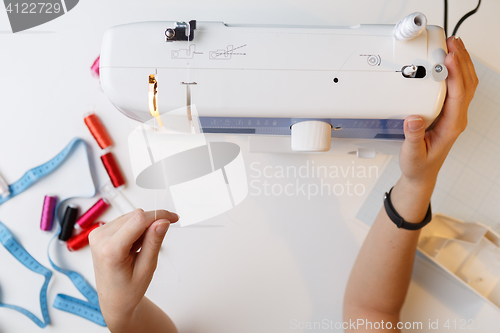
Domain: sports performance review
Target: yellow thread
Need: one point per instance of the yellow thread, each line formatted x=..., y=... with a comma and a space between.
x=153, y=99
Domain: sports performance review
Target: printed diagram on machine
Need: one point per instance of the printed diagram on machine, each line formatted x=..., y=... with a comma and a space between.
x=219, y=54
x=185, y=53
x=227, y=53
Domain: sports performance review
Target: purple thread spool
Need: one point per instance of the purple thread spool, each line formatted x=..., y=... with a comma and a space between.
x=49, y=206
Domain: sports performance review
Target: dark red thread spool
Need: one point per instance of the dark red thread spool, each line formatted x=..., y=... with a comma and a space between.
x=82, y=239
x=98, y=131
x=113, y=170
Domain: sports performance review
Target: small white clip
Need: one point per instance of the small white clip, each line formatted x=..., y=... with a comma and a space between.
x=4, y=188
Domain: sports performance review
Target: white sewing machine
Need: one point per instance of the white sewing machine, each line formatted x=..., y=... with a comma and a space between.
x=308, y=82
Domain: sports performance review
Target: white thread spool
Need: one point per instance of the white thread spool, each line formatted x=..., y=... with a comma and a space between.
x=410, y=27
x=4, y=188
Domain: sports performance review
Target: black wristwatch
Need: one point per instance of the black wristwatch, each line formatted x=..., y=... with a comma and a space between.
x=398, y=220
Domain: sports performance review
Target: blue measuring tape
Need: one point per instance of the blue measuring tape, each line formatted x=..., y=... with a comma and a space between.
x=89, y=309
x=33, y=175
x=13, y=246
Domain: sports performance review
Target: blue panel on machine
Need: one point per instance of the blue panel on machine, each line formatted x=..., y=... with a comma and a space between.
x=389, y=129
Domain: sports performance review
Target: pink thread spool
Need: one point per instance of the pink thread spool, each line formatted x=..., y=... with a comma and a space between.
x=48, y=210
x=92, y=214
x=95, y=67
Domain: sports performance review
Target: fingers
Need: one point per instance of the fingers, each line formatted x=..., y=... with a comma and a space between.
x=455, y=81
x=454, y=46
x=111, y=227
x=120, y=246
x=147, y=259
x=133, y=229
x=454, y=115
x=137, y=245
x=467, y=67
x=468, y=59
x=414, y=145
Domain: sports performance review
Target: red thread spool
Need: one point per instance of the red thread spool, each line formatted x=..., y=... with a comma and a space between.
x=112, y=168
x=82, y=239
x=93, y=213
x=98, y=131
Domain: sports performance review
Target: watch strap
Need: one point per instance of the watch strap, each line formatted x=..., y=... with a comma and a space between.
x=398, y=220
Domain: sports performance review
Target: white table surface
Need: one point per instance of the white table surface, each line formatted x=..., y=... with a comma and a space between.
x=269, y=261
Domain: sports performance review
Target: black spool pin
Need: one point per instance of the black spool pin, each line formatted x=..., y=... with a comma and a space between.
x=68, y=222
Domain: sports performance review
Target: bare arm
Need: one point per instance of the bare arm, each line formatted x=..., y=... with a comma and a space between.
x=381, y=275
x=148, y=317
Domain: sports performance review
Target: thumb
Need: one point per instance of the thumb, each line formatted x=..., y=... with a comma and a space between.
x=414, y=147
x=147, y=258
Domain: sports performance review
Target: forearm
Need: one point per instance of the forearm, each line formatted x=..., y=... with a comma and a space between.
x=147, y=317
x=381, y=274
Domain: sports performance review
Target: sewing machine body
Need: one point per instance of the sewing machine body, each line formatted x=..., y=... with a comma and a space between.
x=249, y=79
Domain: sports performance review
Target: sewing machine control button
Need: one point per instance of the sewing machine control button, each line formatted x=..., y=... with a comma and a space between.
x=414, y=72
x=439, y=72
x=374, y=60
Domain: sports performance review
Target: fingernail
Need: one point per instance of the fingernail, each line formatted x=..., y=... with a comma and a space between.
x=461, y=42
x=415, y=124
x=175, y=216
x=161, y=228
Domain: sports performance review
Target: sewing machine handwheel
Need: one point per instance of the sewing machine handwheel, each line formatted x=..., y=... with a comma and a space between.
x=311, y=136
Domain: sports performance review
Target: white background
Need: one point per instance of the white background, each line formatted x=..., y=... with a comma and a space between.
x=267, y=262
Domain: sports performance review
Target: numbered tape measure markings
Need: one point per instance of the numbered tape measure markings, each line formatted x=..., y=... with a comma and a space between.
x=11, y=244
x=79, y=308
x=31, y=176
